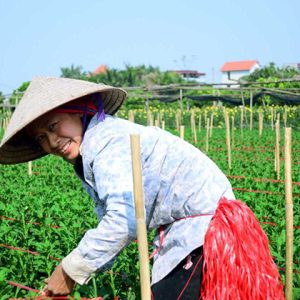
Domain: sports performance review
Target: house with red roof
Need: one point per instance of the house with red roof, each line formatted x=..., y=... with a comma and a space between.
x=234, y=70
x=101, y=69
x=190, y=75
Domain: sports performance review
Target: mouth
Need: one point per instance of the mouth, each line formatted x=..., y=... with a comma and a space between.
x=65, y=148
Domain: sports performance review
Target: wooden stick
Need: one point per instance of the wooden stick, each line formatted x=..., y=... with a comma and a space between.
x=207, y=135
x=200, y=121
x=211, y=124
x=242, y=120
x=277, y=149
x=140, y=218
x=182, y=132
x=232, y=131
x=272, y=118
x=261, y=118
x=288, y=215
x=228, y=139
x=163, y=125
x=251, y=110
x=30, y=168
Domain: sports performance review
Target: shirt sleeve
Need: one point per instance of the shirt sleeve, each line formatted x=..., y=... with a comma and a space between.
x=112, y=171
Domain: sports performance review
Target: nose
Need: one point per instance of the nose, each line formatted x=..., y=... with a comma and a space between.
x=53, y=140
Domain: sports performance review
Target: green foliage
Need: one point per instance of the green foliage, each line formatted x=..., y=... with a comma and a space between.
x=73, y=72
x=271, y=72
x=54, y=196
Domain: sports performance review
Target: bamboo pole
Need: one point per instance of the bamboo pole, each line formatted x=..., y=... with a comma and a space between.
x=211, y=124
x=182, y=132
x=180, y=99
x=131, y=116
x=277, y=149
x=232, y=131
x=193, y=125
x=163, y=125
x=207, y=135
x=261, y=118
x=140, y=218
x=30, y=168
x=242, y=120
x=285, y=117
x=272, y=118
x=228, y=139
x=251, y=110
x=200, y=122
x=288, y=215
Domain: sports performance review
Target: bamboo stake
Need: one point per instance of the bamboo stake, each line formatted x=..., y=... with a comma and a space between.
x=207, y=135
x=272, y=118
x=285, y=117
x=232, y=131
x=251, y=110
x=140, y=218
x=30, y=168
x=163, y=125
x=228, y=139
x=193, y=125
x=242, y=120
x=261, y=118
x=131, y=116
x=182, y=132
x=200, y=122
x=277, y=149
x=211, y=124
x=288, y=215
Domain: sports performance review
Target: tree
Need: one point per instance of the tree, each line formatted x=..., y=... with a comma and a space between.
x=272, y=71
x=73, y=72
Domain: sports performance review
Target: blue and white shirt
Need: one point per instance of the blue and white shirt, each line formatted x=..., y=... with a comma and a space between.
x=178, y=181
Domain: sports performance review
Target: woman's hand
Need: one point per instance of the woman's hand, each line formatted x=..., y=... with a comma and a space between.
x=59, y=283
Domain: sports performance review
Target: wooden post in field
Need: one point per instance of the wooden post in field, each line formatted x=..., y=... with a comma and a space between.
x=272, y=118
x=288, y=215
x=232, y=131
x=193, y=125
x=285, y=117
x=228, y=139
x=140, y=218
x=131, y=116
x=277, y=149
x=211, y=124
x=207, y=135
x=261, y=118
x=200, y=121
x=251, y=110
x=178, y=119
x=30, y=168
x=180, y=99
x=182, y=132
x=242, y=120
x=149, y=118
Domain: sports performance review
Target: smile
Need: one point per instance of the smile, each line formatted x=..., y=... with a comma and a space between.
x=65, y=147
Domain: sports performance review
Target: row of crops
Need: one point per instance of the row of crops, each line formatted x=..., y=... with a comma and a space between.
x=44, y=215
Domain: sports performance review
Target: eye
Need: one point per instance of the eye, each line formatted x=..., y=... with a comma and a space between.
x=52, y=126
x=40, y=139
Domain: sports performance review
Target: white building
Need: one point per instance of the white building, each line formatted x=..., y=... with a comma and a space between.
x=233, y=71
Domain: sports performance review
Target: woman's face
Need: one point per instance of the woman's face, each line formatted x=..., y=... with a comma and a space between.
x=58, y=134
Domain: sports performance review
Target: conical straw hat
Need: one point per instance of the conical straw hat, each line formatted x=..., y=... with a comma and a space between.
x=43, y=95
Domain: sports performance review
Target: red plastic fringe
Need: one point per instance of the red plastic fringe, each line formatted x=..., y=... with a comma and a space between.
x=237, y=262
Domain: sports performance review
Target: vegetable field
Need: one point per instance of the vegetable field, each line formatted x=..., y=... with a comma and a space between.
x=44, y=215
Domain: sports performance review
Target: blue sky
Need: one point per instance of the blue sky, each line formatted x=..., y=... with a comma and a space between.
x=38, y=37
